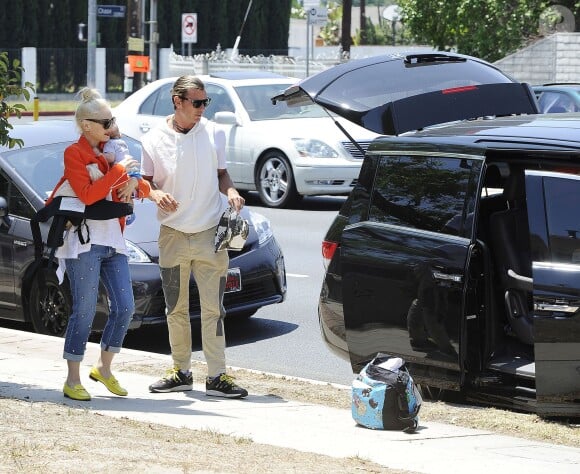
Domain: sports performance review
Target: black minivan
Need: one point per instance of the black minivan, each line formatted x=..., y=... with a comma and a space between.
x=459, y=248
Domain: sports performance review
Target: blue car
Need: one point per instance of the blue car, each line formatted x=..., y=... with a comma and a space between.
x=257, y=275
x=558, y=98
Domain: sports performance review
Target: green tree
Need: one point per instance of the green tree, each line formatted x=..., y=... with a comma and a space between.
x=53, y=26
x=489, y=29
x=54, y=23
x=10, y=87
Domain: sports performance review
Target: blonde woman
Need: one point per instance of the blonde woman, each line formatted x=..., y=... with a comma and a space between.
x=96, y=251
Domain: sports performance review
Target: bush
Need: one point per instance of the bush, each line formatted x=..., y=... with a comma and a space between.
x=11, y=87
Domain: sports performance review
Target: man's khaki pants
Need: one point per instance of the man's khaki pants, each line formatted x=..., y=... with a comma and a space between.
x=179, y=255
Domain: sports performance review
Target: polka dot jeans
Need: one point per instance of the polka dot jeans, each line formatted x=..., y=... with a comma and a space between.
x=100, y=263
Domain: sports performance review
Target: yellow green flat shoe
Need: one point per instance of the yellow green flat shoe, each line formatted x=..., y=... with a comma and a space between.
x=111, y=383
x=77, y=392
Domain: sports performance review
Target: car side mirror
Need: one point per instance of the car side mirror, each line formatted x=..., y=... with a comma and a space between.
x=226, y=118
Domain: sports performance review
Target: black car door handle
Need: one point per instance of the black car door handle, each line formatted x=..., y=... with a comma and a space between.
x=559, y=308
x=454, y=277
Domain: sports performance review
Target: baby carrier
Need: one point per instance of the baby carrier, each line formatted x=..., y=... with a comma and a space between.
x=68, y=212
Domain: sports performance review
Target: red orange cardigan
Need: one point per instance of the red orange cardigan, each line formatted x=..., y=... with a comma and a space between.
x=76, y=158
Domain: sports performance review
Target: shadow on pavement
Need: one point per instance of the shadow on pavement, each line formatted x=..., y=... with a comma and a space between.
x=156, y=339
x=238, y=332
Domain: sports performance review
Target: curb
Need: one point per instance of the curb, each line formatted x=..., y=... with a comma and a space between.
x=46, y=114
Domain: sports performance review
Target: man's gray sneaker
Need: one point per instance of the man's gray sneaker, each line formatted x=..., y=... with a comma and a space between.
x=174, y=381
x=223, y=386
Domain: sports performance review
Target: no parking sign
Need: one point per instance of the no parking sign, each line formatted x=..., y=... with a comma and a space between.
x=189, y=28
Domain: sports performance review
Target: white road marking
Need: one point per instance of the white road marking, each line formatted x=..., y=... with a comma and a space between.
x=296, y=275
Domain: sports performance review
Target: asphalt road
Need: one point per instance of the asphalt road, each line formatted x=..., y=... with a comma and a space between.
x=282, y=338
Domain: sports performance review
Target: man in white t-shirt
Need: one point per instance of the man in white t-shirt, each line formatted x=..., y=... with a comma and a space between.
x=184, y=159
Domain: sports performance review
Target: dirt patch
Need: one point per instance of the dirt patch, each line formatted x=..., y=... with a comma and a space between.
x=46, y=437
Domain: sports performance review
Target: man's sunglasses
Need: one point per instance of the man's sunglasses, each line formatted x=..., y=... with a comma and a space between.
x=106, y=123
x=197, y=103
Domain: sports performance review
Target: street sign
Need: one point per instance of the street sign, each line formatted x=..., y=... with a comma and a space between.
x=318, y=16
x=189, y=28
x=138, y=63
x=111, y=11
x=136, y=44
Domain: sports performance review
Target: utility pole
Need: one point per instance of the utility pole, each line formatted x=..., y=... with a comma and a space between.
x=153, y=38
x=135, y=42
x=92, y=44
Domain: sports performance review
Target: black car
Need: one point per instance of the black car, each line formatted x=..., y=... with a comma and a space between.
x=256, y=276
x=459, y=248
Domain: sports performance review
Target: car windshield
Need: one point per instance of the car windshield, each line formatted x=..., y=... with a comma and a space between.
x=41, y=167
x=257, y=101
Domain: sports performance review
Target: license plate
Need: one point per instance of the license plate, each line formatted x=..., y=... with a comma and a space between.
x=233, y=280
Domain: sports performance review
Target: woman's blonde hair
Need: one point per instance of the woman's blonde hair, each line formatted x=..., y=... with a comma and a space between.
x=91, y=105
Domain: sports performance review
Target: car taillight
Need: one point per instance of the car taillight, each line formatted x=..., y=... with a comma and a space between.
x=455, y=90
x=328, y=249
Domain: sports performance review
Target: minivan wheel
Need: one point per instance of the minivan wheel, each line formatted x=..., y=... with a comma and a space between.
x=51, y=306
x=275, y=180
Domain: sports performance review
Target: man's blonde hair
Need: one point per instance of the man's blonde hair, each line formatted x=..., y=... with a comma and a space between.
x=184, y=84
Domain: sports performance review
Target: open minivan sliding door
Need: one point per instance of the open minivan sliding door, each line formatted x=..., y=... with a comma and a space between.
x=404, y=265
x=555, y=243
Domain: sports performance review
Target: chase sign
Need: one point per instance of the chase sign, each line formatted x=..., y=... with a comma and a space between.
x=111, y=11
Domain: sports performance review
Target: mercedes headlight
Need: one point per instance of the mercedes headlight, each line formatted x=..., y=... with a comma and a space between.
x=135, y=254
x=262, y=226
x=314, y=148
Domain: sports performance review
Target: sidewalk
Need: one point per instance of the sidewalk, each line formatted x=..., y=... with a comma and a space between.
x=32, y=368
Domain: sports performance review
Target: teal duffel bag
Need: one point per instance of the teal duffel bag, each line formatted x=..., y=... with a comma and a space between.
x=384, y=396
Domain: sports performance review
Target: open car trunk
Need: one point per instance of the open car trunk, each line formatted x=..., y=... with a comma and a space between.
x=391, y=95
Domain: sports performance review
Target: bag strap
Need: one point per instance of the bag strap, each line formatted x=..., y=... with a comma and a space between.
x=79, y=232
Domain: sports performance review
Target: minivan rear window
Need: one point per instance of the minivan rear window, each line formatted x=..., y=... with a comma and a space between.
x=436, y=194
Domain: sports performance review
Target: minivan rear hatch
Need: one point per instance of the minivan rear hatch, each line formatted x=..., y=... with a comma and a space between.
x=394, y=94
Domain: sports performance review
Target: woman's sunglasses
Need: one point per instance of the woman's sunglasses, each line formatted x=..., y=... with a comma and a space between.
x=197, y=103
x=106, y=123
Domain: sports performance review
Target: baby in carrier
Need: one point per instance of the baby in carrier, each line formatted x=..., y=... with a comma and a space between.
x=114, y=151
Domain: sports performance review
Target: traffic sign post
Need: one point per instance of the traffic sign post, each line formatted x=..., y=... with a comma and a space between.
x=308, y=4
x=318, y=16
x=315, y=16
x=188, y=30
